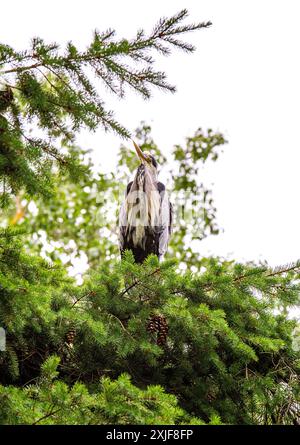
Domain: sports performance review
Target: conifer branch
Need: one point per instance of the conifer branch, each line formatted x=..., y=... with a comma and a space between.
x=122, y=325
x=57, y=90
x=284, y=269
x=138, y=282
x=103, y=57
x=277, y=271
x=51, y=413
x=92, y=293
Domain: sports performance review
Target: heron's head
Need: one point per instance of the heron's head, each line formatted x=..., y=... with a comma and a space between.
x=147, y=160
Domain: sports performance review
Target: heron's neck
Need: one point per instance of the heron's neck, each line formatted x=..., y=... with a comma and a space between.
x=142, y=172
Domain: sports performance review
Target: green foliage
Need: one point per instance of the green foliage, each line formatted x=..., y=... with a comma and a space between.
x=76, y=220
x=227, y=354
x=111, y=402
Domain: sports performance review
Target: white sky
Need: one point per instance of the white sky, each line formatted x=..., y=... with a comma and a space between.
x=243, y=80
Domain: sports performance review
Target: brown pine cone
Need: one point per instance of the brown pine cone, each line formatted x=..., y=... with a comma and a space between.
x=153, y=323
x=161, y=339
x=159, y=324
x=151, y=326
x=70, y=336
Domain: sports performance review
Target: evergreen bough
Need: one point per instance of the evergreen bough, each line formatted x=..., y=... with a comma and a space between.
x=57, y=93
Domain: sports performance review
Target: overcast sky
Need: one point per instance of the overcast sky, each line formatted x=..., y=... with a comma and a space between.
x=243, y=80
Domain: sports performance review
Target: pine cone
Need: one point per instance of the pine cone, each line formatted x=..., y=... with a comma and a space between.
x=151, y=327
x=153, y=324
x=158, y=323
x=70, y=336
x=161, y=339
x=163, y=325
x=164, y=330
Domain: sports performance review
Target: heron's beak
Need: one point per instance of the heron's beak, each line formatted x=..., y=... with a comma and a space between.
x=139, y=152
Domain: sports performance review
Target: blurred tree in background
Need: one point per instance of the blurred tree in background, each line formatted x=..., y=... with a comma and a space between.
x=189, y=340
x=81, y=217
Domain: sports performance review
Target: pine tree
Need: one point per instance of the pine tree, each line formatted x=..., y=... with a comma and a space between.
x=226, y=355
x=134, y=343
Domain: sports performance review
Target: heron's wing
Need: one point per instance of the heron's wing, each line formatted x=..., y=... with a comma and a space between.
x=128, y=187
x=123, y=219
x=166, y=219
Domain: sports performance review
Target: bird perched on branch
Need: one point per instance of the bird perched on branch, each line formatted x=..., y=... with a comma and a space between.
x=145, y=221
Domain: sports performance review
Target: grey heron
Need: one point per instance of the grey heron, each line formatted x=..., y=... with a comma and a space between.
x=145, y=220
